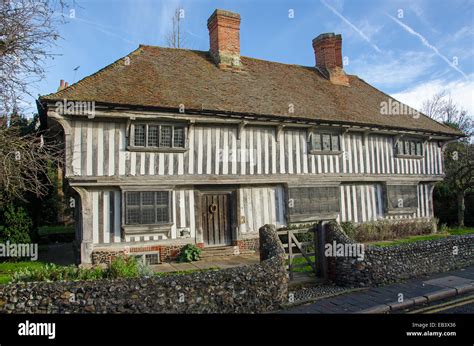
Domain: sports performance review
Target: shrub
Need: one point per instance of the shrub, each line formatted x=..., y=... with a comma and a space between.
x=121, y=267
x=17, y=225
x=387, y=229
x=189, y=253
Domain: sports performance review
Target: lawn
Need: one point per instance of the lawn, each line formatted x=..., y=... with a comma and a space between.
x=412, y=239
x=8, y=268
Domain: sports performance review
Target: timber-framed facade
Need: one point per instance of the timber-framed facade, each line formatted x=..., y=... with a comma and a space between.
x=151, y=177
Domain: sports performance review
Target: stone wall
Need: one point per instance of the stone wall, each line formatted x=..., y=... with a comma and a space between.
x=248, y=289
x=381, y=265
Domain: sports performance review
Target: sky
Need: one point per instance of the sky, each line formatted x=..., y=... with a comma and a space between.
x=409, y=49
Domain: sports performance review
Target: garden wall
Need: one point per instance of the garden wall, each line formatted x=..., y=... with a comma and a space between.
x=382, y=265
x=248, y=289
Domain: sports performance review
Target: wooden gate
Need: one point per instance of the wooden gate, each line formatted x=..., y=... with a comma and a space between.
x=216, y=218
x=312, y=250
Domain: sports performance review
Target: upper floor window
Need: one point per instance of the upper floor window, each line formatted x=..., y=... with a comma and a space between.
x=158, y=136
x=325, y=142
x=147, y=207
x=402, y=198
x=410, y=147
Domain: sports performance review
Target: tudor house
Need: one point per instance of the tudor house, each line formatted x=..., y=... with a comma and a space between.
x=167, y=147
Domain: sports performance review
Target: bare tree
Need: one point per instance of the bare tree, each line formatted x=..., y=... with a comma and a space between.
x=441, y=107
x=27, y=33
x=175, y=38
x=25, y=160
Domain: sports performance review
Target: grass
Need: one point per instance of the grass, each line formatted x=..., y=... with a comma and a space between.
x=8, y=268
x=303, y=269
x=416, y=238
x=58, y=229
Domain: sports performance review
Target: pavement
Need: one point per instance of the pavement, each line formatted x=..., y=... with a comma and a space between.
x=211, y=263
x=394, y=297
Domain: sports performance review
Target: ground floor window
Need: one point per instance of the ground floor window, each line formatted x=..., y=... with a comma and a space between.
x=147, y=207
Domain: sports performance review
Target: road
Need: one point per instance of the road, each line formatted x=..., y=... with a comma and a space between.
x=455, y=305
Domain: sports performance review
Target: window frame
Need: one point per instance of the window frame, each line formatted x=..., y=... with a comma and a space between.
x=146, y=147
x=393, y=210
x=150, y=226
x=321, y=133
x=408, y=143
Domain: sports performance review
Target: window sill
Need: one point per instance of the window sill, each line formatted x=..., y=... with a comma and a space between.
x=325, y=152
x=401, y=211
x=139, y=229
x=157, y=150
x=418, y=157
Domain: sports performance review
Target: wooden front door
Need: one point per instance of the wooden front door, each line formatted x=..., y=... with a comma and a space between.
x=217, y=218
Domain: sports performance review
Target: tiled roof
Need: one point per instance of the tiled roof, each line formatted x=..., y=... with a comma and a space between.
x=166, y=77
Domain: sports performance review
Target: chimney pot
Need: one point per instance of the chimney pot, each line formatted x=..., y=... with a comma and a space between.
x=328, y=53
x=224, y=37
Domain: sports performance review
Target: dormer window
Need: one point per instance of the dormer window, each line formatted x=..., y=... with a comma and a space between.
x=410, y=148
x=323, y=142
x=157, y=137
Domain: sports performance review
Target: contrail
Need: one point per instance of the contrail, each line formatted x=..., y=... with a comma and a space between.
x=427, y=44
x=374, y=46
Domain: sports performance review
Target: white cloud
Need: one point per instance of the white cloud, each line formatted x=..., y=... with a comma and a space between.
x=461, y=91
x=390, y=70
x=425, y=42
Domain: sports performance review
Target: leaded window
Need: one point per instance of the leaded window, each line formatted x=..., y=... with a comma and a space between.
x=325, y=142
x=158, y=136
x=410, y=147
x=147, y=207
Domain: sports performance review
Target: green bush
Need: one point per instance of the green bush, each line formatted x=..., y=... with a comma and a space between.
x=381, y=230
x=17, y=225
x=189, y=253
x=121, y=267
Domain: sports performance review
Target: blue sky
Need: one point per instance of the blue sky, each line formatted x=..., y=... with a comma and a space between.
x=408, y=49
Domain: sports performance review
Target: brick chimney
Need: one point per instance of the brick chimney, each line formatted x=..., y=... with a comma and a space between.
x=224, y=37
x=61, y=85
x=328, y=54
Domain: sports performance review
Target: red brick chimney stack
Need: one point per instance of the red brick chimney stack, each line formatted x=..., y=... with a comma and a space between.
x=328, y=53
x=224, y=37
x=61, y=84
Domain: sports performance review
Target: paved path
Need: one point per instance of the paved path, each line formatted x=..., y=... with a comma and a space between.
x=207, y=263
x=425, y=289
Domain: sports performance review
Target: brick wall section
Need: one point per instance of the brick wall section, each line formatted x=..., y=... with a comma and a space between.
x=224, y=37
x=382, y=265
x=253, y=288
x=250, y=244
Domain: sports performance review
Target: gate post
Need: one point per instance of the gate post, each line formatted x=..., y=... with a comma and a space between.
x=322, y=263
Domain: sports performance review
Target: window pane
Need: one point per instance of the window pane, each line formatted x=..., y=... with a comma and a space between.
x=412, y=148
x=165, y=139
x=335, y=142
x=407, y=148
x=133, y=215
x=316, y=141
x=326, y=141
x=162, y=198
x=133, y=198
x=153, y=136
x=148, y=198
x=162, y=214
x=400, y=148
x=139, y=135
x=178, y=140
x=419, y=150
x=148, y=215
